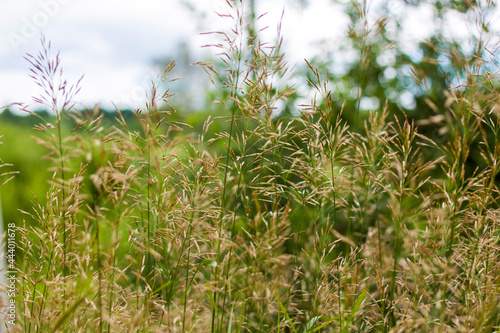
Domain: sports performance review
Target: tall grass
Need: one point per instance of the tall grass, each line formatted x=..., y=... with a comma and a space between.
x=264, y=221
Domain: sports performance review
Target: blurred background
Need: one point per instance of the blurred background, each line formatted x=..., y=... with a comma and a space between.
x=121, y=45
x=394, y=54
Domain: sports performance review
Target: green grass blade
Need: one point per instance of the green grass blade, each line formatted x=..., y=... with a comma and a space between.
x=285, y=312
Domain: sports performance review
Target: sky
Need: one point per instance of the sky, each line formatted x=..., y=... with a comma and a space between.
x=115, y=44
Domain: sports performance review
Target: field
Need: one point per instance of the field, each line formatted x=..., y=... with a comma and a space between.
x=263, y=214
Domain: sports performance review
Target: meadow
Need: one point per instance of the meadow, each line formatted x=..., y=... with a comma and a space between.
x=261, y=214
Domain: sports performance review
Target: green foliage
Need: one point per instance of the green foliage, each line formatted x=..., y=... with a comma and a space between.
x=21, y=151
x=245, y=219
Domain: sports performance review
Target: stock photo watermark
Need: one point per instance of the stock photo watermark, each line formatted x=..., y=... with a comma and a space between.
x=32, y=25
x=11, y=276
x=140, y=93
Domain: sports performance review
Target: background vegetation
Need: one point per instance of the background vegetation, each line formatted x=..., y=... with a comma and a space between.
x=263, y=213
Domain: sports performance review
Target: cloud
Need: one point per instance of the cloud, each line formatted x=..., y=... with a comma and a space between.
x=102, y=39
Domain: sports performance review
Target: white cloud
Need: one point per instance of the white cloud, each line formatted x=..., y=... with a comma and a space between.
x=111, y=42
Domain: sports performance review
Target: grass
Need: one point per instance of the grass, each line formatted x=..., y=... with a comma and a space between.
x=272, y=223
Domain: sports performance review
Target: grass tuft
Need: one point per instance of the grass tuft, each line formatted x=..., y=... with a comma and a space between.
x=270, y=216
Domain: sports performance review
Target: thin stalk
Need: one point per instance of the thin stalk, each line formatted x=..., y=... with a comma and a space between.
x=34, y=291
x=43, y=297
x=63, y=208
x=379, y=237
x=96, y=218
x=395, y=255
x=233, y=223
x=188, y=236
x=113, y=262
x=148, y=264
x=362, y=59
x=178, y=265
x=99, y=270
x=61, y=154
x=221, y=217
x=335, y=226
x=275, y=209
x=223, y=199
